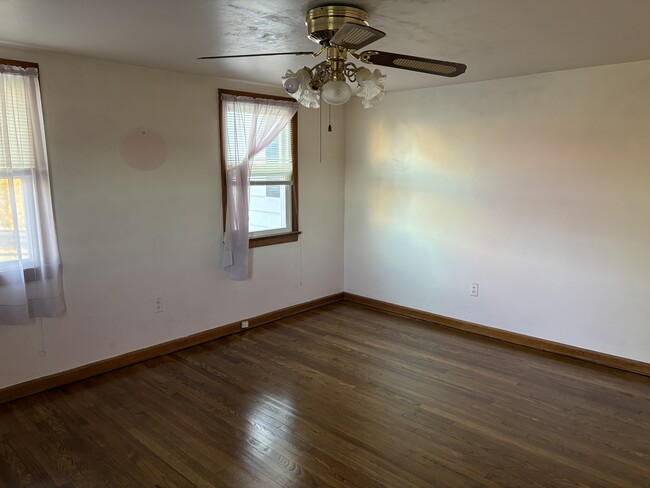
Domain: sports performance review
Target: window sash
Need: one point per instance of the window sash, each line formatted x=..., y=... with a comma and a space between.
x=271, y=183
x=25, y=245
x=285, y=213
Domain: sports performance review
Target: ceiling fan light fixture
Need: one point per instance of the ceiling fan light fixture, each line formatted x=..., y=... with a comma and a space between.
x=336, y=92
x=371, y=86
x=298, y=86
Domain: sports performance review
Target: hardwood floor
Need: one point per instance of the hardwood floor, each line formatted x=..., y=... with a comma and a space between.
x=338, y=396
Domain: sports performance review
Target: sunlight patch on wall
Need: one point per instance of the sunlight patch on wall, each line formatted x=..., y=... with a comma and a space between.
x=415, y=176
x=410, y=146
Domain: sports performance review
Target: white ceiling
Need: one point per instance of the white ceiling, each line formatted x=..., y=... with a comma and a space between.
x=495, y=38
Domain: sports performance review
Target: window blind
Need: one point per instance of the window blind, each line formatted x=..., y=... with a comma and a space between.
x=274, y=165
x=15, y=124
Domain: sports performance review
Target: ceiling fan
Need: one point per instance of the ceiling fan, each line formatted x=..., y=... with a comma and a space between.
x=341, y=30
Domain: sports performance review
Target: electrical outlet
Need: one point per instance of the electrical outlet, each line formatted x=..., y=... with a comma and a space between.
x=244, y=324
x=474, y=291
x=157, y=305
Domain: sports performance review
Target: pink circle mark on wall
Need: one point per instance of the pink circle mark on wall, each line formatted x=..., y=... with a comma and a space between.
x=144, y=150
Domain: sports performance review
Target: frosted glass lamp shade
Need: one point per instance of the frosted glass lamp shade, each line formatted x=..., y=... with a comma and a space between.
x=336, y=92
x=371, y=86
x=309, y=98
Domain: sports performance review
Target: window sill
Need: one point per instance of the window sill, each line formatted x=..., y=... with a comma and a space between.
x=10, y=276
x=272, y=240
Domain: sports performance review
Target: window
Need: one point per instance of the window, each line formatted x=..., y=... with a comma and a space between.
x=17, y=165
x=273, y=193
x=30, y=266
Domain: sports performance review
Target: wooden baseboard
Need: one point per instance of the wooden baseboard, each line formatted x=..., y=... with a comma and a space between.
x=82, y=372
x=624, y=364
x=59, y=379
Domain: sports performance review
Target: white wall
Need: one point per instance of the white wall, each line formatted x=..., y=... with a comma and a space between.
x=128, y=236
x=537, y=188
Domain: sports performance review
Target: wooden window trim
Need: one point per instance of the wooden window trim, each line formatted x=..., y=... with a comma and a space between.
x=262, y=241
x=22, y=64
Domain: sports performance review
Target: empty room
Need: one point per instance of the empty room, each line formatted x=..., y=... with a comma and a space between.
x=343, y=244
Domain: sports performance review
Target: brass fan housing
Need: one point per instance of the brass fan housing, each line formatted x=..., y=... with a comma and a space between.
x=324, y=22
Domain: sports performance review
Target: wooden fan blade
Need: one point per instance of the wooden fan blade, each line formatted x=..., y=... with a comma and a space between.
x=298, y=53
x=355, y=36
x=413, y=63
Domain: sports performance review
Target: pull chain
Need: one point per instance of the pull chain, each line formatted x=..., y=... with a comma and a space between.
x=320, y=133
x=329, y=121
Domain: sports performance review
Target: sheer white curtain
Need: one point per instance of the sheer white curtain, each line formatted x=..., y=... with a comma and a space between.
x=249, y=125
x=30, y=267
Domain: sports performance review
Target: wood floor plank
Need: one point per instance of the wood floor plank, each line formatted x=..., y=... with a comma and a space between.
x=340, y=396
